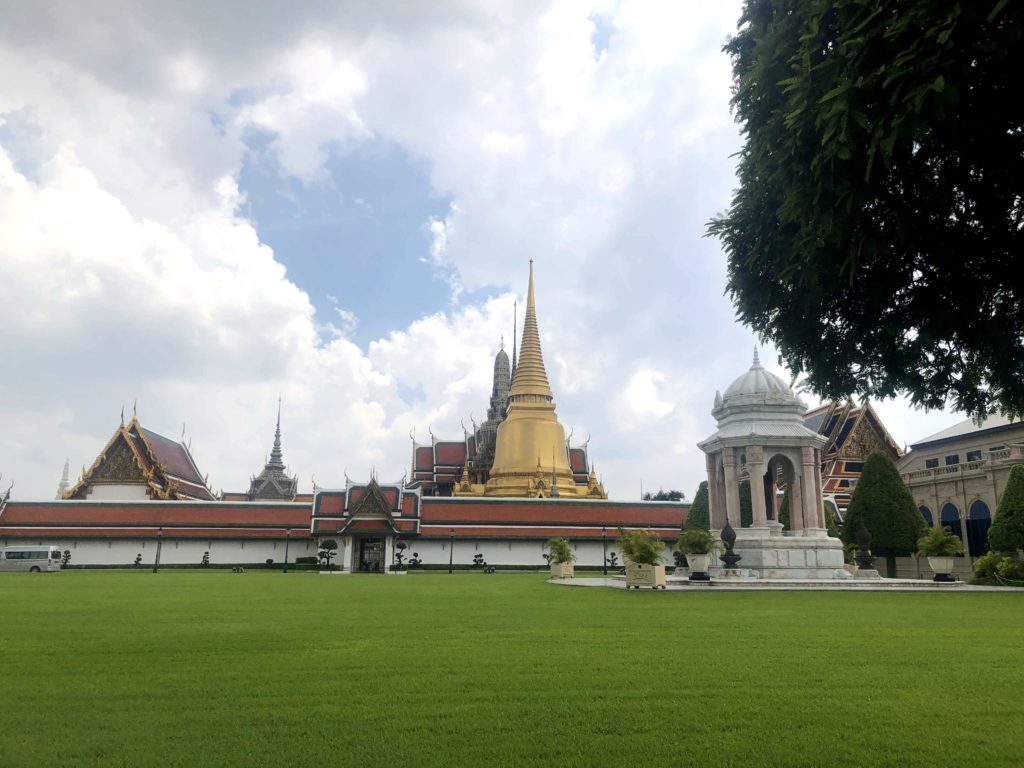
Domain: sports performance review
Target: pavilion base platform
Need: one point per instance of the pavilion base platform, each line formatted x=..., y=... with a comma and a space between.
x=682, y=584
x=771, y=553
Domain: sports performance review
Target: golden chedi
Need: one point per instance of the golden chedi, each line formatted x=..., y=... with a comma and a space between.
x=530, y=454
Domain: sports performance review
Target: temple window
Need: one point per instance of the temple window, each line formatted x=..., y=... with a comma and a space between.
x=931, y=463
x=954, y=459
x=974, y=455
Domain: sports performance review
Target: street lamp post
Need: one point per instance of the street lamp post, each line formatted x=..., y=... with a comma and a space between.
x=451, y=549
x=287, y=541
x=604, y=548
x=159, y=543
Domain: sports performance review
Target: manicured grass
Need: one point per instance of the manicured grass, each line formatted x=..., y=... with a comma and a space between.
x=215, y=668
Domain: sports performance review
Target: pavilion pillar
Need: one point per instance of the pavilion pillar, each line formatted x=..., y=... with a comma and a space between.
x=796, y=503
x=812, y=498
x=716, y=518
x=755, y=466
x=732, y=489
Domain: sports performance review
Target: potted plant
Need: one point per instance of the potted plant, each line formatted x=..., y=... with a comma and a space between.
x=697, y=544
x=643, y=551
x=560, y=558
x=940, y=545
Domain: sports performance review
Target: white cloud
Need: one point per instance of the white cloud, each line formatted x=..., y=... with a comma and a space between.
x=129, y=269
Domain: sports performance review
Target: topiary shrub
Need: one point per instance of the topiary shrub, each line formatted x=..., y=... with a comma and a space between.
x=784, y=511
x=882, y=502
x=1007, y=531
x=642, y=547
x=699, y=515
x=746, y=505
x=328, y=549
x=560, y=551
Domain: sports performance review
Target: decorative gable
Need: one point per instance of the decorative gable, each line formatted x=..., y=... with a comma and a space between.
x=118, y=464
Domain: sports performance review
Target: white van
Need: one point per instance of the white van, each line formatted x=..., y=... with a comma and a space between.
x=33, y=559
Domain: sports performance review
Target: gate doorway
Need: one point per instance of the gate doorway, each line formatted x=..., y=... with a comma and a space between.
x=371, y=555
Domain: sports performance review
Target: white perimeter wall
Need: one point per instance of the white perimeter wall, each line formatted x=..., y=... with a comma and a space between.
x=122, y=552
x=499, y=553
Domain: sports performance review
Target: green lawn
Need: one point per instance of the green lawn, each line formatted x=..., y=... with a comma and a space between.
x=215, y=668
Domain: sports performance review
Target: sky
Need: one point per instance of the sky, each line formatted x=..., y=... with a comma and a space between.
x=205, y=207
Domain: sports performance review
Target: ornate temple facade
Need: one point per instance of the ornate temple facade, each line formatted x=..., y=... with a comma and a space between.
x=852, y=433
x=137, y=463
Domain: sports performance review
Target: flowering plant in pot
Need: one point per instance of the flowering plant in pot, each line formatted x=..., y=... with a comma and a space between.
x=940, y=546
x=560, y=558
x=697, y=544
x=645, y=558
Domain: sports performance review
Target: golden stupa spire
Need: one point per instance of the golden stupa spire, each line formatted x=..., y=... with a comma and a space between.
x=530, y=378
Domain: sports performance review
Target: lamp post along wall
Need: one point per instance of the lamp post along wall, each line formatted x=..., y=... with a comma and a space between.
x=159, y=544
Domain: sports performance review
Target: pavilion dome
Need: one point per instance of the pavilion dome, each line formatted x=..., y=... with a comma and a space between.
x=757, y=386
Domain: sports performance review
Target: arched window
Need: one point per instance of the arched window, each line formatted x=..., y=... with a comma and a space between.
x=979, y=520
x=950, y=517
x=927, y=515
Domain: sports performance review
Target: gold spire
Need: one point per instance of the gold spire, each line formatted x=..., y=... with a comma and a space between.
x=531, y=432
x=530, y=378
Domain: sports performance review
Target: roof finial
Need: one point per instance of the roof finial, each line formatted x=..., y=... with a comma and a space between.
x=276, y=456
x=515, y=330
x=501, y=348
x=65, y=482
x=757, y=360
x=135, y=408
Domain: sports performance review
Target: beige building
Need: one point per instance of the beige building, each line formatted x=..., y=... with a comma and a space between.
x=957, y=476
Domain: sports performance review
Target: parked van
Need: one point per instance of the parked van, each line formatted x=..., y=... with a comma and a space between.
x=33, y=559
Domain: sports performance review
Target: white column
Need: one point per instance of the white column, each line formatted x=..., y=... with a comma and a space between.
x=715, y=516
x=755, y=466
x=732, y=489
x=811, y=498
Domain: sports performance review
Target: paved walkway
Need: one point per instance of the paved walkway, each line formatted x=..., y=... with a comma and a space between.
x=790, y=585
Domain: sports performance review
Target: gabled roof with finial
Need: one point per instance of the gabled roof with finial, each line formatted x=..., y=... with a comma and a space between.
x=135, y=455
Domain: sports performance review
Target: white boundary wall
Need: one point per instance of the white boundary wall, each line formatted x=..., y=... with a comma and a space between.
x=122, y=552
x=496, y=552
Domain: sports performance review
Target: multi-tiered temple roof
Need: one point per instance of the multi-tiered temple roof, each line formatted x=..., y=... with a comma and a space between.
x=139, y=463
x=273, y=483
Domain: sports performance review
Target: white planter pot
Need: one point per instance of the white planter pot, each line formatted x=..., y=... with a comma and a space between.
x=941, y=567
x=699, y=563
x=562, y=570
x=638, y=575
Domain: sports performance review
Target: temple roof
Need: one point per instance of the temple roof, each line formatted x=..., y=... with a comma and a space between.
x=136, y=455
x=273, y=482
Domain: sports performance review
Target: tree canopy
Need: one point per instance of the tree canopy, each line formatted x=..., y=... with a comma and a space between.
x=1007, y=531
x=699, y=515
x=876, y=231
x=663, y=495
x=884, y=504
